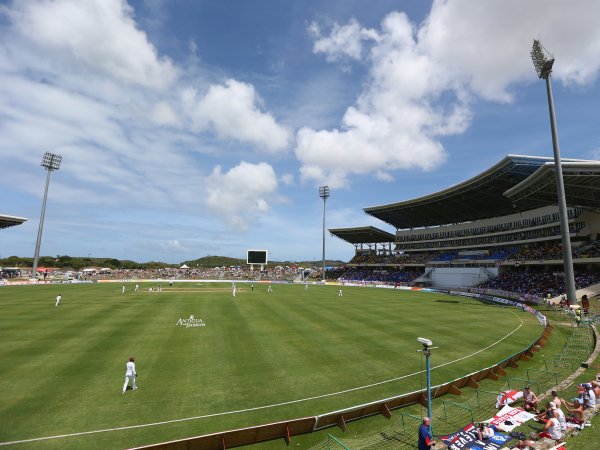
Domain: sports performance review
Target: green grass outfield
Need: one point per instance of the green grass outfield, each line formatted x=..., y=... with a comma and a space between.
x=262, y=357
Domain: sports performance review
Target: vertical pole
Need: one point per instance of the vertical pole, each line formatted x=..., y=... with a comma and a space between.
x=427, y=369
x=323, y=268
x=40, y=228
x=562, y=203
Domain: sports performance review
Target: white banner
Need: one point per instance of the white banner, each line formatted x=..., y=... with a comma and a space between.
x=509, y=418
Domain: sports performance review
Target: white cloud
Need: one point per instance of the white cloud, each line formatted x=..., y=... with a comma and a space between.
x=423, y=79
x=80, y=78
x=101, y=34
x=242, y=194
x=287, y=179
x=232, y=111
x=163, y=114
x=486, y=45
x=344, y=41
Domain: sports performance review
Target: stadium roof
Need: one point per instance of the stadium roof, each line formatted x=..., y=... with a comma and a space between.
x=10, y=221
x=582, y=186
x=480, y=197
x=363, y=235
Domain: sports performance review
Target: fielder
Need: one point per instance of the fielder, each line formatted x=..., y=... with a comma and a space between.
x=340, y=293
x=58, y=299
x=130, y=374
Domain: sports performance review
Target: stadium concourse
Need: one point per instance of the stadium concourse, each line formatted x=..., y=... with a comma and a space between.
x=498, y=230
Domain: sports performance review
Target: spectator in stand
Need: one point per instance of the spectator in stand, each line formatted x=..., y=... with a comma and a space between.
x=556, y=399
x=557, y=412
x=485, y=431
x=551, y=429
x=544, y=415
x=524, y=444
x=596, y=388
x=575, y=409
x=589, y=396
x=426, y=440
x=530, y=400
x=585, y=304
x=540, y=284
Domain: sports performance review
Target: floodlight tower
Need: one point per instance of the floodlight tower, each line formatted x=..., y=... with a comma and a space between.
x=543, y=62
x=324, y=194
x=50, y=162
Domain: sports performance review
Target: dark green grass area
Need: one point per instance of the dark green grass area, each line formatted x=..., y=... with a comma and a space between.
x=62, y=368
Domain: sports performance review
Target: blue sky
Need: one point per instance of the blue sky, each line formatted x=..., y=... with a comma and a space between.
x=192, y=128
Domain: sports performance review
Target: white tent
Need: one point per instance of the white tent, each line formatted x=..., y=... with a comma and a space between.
x=184, y=267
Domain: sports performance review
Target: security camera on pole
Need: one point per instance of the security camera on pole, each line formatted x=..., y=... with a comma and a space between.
x=427, y=346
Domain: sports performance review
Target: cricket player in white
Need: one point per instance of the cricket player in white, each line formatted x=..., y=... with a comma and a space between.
x=137, y=287
x=340, y=293
x=269, y=288
x=233, y=289
x=58, y=299
x=123, y=290
x=130, y=374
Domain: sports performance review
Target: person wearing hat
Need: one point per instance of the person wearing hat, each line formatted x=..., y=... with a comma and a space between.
x=557, y=412
x=589, y=396
x=530, y=400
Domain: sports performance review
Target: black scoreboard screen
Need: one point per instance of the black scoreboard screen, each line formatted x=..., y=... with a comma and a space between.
x=257, y=257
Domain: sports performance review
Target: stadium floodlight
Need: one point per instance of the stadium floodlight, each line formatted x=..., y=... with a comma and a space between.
x=50, y=162
x=324, y=194
x=543, y=62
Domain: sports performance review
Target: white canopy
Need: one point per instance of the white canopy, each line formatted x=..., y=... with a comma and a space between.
x=184, y=267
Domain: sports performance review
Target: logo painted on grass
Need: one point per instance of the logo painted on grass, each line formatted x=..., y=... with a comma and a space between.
x=190, y=322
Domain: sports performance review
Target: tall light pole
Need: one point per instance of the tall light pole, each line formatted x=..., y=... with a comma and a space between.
x=324, y=194
x=50, y=162
x=543, y=62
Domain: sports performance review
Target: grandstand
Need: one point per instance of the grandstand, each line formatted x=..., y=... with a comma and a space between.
x=504, y=219
x=10, y=221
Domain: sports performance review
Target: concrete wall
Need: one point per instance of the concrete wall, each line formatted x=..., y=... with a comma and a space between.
x=460, y=276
